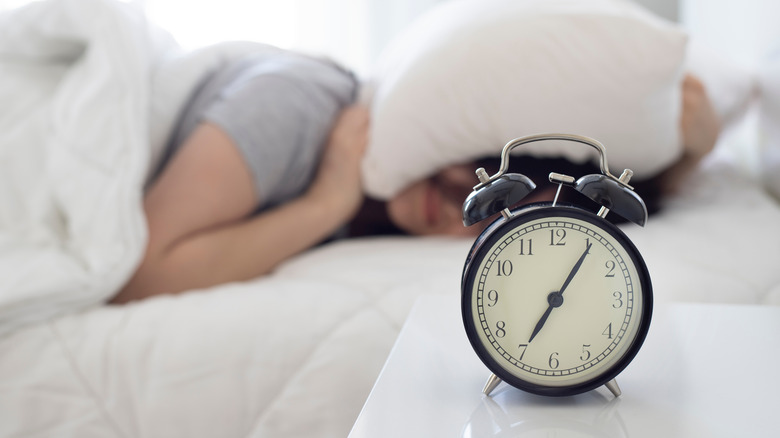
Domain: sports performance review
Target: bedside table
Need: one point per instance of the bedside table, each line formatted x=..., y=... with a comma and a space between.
x=706, y=370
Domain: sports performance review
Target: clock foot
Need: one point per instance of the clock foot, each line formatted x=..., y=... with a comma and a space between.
x=613, y=387
x=491, y=384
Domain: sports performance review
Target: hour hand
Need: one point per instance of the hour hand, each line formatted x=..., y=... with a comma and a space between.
x=554, y=299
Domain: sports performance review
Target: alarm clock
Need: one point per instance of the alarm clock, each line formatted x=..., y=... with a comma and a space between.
x=555, y=299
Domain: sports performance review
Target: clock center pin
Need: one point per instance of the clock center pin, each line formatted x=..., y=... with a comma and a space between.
x=555, y=299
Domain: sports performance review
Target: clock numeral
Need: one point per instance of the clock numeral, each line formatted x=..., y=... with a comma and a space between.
x=618, y=299
x=553, y=361
x=585, y=356
x=610, y=268
x=500, y=329
x=504, y=268
x=522, y=347
x=523, y=246
x=492, y=295
x=557, y=237
x=608, y=331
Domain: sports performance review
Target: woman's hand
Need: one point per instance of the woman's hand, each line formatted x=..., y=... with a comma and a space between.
x=699, y=127
x=338, y=181
x=699, y=123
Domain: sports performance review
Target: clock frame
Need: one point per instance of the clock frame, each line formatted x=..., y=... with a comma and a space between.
x=636, y=300
x=501, y=193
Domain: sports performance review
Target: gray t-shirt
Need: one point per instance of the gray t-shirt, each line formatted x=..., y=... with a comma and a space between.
x=279, y=109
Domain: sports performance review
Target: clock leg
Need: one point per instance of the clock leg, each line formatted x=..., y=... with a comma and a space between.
x=613, y=387
x=491, y=384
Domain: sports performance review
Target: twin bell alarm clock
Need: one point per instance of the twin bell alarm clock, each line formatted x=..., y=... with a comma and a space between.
x=555, y=299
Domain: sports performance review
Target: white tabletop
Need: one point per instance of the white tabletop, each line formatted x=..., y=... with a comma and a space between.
x=705, y=371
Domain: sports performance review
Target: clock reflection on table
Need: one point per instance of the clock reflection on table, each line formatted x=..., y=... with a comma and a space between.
x=509, y=413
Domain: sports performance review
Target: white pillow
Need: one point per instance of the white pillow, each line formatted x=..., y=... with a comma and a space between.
x=471, y=75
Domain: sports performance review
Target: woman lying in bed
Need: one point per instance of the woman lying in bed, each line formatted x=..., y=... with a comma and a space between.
x=265, y=163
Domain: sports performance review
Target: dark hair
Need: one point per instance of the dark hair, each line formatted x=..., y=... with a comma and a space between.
x=538, y=170
x=372, y=219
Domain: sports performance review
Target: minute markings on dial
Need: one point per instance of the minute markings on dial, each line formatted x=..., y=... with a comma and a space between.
x=555, y=299
x=535, y=364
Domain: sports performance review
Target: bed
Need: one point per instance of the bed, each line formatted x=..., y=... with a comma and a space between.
x=291, y=354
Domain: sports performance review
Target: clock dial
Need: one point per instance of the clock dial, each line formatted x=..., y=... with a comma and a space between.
x=555, y=299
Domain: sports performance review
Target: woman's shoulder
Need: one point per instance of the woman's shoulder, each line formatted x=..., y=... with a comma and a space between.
x=290, y=64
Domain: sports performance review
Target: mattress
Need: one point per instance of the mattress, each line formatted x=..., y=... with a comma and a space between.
x=295, y=353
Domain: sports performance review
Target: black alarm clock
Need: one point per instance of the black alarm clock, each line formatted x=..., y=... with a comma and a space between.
x=556, y=300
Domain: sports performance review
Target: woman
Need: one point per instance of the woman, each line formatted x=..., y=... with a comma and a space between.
x=247, y=184
x=214, y=214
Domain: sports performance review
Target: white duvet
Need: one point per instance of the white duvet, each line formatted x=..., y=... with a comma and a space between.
x=89, y=93
x=293, y=354
x=73, y=142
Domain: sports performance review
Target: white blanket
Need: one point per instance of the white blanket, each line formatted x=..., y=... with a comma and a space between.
x=73, y=141
x=89, y=93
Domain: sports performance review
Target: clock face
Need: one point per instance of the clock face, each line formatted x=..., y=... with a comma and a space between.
x=556, y=301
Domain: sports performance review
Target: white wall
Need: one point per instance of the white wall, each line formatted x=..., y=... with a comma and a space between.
x=669, y=9
x=351, y=31
x=746, y=31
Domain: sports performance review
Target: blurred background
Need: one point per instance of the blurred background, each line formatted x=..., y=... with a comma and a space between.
x=356, y=31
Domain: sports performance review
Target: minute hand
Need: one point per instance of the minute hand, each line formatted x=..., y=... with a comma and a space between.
x=557, y=302
x=575, y=269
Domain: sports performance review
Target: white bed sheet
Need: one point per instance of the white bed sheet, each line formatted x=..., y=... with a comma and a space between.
x=295, y=354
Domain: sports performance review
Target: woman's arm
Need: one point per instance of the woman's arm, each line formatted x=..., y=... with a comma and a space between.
x=255, y=246
x=200, y=231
